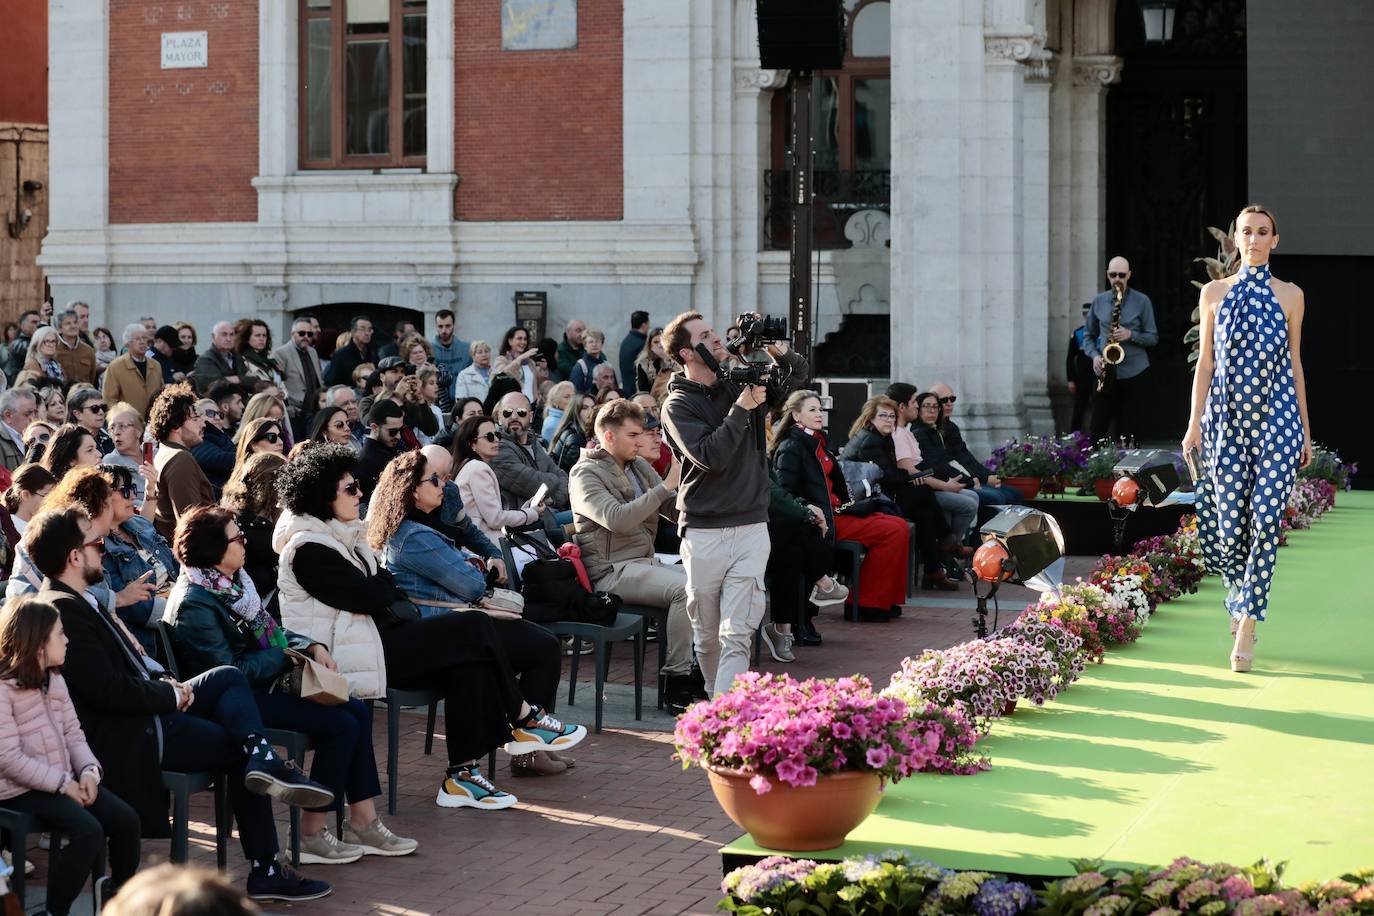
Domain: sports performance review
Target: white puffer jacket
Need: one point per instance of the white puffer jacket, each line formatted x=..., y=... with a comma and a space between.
x=351, y=638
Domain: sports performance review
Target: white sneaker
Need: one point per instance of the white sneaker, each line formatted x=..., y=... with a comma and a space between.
x=837, y=593
x=779, y=644
x=324, y=848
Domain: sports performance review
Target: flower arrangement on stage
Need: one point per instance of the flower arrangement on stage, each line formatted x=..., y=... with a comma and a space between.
x=891, y=882
x=796, y=732
x=1176, y=560
x=1132, y=580
x=1063, y=645
x=955, y=732
x=1034, y=457
x=1099, y=463
x=1090, y=613
x=980, y=677
x=1326, y=465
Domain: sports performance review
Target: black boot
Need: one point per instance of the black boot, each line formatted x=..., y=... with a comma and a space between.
x=805, y=633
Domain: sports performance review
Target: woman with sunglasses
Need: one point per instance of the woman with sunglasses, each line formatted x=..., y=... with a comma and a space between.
x=335, y=590
x=475, y=444
x=71, y=446
x=331, y=425
x=218, y=618
x=36, y=439
x=261, y=435
x=437, y=576
x=138, y=563
x=88, y=490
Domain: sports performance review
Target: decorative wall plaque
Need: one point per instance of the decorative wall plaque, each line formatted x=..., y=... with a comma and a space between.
x=538, y=25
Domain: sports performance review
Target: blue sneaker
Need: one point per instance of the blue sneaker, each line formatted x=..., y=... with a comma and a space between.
x=542, y=732
x=282, y=882
x=466, y=787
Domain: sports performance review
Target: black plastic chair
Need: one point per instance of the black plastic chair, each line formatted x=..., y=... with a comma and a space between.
x=18, y=825
x=855, y=552
x=183, y=786
x=659, y=615
x=395, y=700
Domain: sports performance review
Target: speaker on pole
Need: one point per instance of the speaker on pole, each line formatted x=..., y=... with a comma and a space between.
x=801, y=34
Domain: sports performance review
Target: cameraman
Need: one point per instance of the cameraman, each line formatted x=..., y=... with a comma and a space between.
x=716, y=427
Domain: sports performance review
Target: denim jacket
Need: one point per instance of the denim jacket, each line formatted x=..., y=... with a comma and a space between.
x=123, y=565
x=428, y=565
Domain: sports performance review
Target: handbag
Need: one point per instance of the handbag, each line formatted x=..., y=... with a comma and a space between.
x=310, y=680
x=400, y=610
x=863, y=508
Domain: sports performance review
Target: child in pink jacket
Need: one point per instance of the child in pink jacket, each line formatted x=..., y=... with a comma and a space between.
x=46, y=767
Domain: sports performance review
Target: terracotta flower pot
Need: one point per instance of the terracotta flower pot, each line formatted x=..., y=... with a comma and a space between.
x=1029, y=487
x=1103, y=489
x=1009, y=708
x=801, y=818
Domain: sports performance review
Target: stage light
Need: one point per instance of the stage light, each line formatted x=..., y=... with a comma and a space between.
x=1153, y=471
x=1125, y=492
x=1023, y=546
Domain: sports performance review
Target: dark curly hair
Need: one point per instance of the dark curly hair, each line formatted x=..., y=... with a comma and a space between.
x=83, y=488
x=173, y=406
x=243, y=330
x=393, y=497
x=310, y=481
x=62, y=448
x=201, y=538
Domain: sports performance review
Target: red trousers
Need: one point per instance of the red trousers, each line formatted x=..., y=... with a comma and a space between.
x=888, y=540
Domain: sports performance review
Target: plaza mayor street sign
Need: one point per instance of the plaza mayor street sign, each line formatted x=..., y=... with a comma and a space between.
x=181, y=50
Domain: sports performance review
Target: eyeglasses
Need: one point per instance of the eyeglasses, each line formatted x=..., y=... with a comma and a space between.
x=488, y=435
x=238, y=538
x=127, y=491
x=212, y=414
x=389, y=431
x=949, y=400
x=120, y=427
x=1116, y=275
x=97, y=408
x=353, y=488
x=515, y=413
x=433, y=479
x=305, y=333
x=338, y=424
x=41, y=437
x=98, y=545
x=274, y=438
x=884, y=416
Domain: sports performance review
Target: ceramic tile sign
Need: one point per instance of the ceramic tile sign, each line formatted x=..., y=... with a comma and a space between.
x=538, y=25
x=181, y=50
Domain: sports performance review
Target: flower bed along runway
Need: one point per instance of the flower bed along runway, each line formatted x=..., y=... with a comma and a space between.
x=1163, y=752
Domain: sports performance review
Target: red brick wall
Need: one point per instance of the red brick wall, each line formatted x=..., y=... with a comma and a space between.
x=183, y=143
x=24, y=61
x=538, y=133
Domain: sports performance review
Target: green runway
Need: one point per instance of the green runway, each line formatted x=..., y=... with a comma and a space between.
x=1162, y=751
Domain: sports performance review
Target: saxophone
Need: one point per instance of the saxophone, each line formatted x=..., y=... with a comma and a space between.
x=1113, y=353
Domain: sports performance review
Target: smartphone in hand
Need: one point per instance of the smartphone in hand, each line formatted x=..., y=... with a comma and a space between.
x=147, y=452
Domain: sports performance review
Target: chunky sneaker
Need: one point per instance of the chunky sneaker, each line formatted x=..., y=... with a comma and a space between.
x=376, y=840
x=466, y=787
x=324, y=848
x=542, y=732
x=835, y=594
x=284, y=780
x=779, y=644
x=280, y=881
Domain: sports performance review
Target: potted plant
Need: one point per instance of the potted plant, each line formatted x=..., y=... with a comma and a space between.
x=1065, y=647
x=799, y=764
x=954, y=732
x=983, y=678
x=1132, y=580
x=1023, y=465
x=1097, y=472
x=1090, y=613
x=1070, y=452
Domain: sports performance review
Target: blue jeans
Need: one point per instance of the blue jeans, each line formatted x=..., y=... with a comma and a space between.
x=563, y=518
x=210, y=736
x=998, y=496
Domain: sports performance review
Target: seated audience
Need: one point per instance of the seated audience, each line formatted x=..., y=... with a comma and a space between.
x=475, y=444
x=617, y=500
x=166, y=349
x=419, y=352
x=251, y=495
x=133, y=378
x=138, y=564
x=253, y=342
x=475, y=379
x=86, y=490
x=261, y=435
x=989, y=487
x=217, y=618
x=593, y=355
x=86, y=408
x=431, y=391
x=75, y=355
x=215, y=453
x=807, y=469
x=522, y=464
x=42, y=356
x=47, y=768
x=570, y=347
x=385, y=423
x=178, y=428
x=36, y=439
x=334, y=590
x=18, y=409
x=800, y=564
x=220, y=361
x=572, y=432
x=555, y=406
x=651, y=364
x=331, y=425
x=870, y=439
x=126, y=431
x=139, y=722
x=28, y=485
x=70, y=447
x=466, y=407
x=958, y=500
x=54, y=405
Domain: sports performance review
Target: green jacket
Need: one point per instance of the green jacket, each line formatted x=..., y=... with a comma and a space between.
x=206, y=633
x=568, y=355
x=783, y=505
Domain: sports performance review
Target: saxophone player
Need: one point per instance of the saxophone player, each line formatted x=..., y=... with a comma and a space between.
x=1116, y=405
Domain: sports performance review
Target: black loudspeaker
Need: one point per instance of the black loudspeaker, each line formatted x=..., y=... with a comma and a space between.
x=801, y=34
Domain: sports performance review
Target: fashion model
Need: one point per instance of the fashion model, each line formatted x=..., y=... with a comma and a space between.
x=1248, y=423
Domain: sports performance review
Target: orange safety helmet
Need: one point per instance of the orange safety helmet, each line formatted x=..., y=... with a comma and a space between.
x=1125, y=492
x=991, y=562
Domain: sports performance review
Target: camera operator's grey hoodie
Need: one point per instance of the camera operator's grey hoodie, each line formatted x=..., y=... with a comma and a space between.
x=724, y=466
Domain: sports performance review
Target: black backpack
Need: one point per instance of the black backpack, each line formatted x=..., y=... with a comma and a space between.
x=551, y=589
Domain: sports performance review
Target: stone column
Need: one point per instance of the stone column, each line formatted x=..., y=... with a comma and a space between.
x=1038, y=346
x=749, y=157
x=1063, y=301
x=1092, y=74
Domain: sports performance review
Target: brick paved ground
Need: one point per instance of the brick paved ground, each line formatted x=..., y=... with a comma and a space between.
x=627, y=831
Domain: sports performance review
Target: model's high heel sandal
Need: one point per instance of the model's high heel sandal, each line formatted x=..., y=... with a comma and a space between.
x=1243, y=652
x=1235, y=623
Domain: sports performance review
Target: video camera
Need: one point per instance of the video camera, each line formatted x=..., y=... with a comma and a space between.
x=756, y=333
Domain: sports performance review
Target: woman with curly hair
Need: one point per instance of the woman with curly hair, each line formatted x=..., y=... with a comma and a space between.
x=251, y=494
x=88, y=490
x=70, y=447
x=335, y=591
x=253, y=341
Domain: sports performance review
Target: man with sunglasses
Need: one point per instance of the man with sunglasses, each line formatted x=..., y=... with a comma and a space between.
x=522, y=464
x=987, y=486
x=1136, y=331
x=86, y=408
x=386, y=423
x=302, y=374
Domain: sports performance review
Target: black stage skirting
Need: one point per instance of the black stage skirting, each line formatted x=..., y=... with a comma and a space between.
x=1087, y=527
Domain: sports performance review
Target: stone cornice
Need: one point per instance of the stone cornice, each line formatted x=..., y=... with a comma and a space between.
x=1099, y=70
x=1016, y=45
x=749, y=78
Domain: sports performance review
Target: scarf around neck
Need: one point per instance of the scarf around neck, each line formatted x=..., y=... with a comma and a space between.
x=242, y=598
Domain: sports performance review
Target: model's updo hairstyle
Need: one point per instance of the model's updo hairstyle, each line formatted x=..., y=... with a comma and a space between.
x=1260, y=208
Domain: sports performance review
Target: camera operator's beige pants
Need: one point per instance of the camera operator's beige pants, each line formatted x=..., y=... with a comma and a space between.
x=725, y=597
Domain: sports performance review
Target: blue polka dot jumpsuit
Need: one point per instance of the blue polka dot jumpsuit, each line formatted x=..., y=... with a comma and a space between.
x=1252, y=439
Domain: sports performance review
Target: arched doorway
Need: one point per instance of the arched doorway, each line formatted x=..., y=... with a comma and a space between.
x=334, y=318
x=1176, y=164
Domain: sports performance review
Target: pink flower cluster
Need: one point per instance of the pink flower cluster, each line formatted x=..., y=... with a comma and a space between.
x=1063, y=645
x=979, y=677
x=778, y=728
